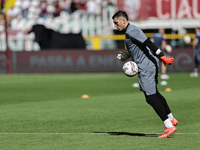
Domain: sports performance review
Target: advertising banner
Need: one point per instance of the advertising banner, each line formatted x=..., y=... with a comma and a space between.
x=165, y=9
x=59, y=61
x=162, y=9
x=80, y=61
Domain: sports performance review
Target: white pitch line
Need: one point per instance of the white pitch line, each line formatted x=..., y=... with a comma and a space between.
x=186, y=133
x=79, y=133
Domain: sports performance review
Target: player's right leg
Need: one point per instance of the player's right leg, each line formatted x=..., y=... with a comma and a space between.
x=160, y=110
x=196, y=62
x=167, y=109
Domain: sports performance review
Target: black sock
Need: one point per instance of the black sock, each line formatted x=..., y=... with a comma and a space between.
x=157, y=106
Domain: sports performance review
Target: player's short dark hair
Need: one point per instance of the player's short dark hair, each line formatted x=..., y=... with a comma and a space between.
x=120, y=14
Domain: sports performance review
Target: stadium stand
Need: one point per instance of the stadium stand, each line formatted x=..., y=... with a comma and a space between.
x=94, y=21
x=90, y=22
x=64, y=22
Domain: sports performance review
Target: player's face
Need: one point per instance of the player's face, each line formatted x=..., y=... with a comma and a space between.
x=197, y=30
x=161, y=31
x=119, y=23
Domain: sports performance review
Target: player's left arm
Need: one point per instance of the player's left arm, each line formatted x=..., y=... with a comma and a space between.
x=164, y=43
x=158, y=52
x=195, y=42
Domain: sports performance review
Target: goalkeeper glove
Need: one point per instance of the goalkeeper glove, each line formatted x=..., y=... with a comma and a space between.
x=167, y=60
x=123, y=55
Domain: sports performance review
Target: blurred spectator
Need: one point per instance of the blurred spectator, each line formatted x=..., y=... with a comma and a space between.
x=24, y=6
x=2, y=5
x=196, y=44
x=91, y=6
x=74, y=6
x=50, y=11
x=82, y=5
x=43, y=7
x=57, y=9
x=1, y=11
x=109, y=2
x=12, y=13
x=65, y=5
x=159, y=40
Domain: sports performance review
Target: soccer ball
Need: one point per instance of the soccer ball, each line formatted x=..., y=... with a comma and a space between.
x=130, y=69
x=187, y=39
x=168, y=48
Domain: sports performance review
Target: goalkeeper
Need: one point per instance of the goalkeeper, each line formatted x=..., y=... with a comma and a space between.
x=146, y=54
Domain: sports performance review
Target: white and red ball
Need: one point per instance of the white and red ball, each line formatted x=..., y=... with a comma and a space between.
x=130, y=69
x=168, y=48
x=187, y=39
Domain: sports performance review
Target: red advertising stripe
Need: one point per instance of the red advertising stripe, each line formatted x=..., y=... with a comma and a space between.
x=166, y=9
x=162, y=9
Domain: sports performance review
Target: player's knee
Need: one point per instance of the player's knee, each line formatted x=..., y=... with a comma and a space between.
x=150, y=98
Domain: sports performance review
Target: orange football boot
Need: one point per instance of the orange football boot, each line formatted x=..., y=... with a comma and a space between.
x=167, y=132
x=174, y=121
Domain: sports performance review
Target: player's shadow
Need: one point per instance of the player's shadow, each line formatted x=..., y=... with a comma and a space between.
x=131, y=134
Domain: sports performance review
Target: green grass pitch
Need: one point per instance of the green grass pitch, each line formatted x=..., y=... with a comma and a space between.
x=46, y=112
